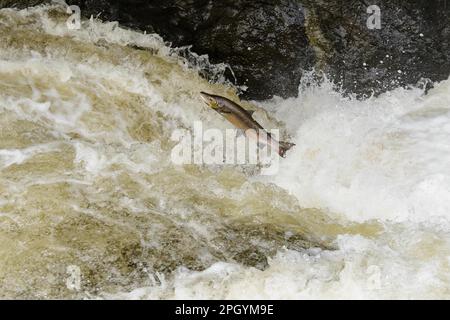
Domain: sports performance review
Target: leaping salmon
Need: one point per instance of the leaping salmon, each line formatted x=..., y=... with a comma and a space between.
x=242, y=119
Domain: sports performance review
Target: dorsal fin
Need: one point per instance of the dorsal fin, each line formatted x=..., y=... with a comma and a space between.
x=250, y=112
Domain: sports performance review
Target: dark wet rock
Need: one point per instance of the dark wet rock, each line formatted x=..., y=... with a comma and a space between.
x=270, y=43
x=264, y=42
x=413, y=42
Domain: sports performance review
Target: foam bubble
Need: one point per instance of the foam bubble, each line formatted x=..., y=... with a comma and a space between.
x=385, y=158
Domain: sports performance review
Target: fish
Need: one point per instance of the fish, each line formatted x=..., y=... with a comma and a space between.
x=243, y=120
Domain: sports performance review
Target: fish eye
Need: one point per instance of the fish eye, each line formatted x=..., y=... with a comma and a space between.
x=214, y=103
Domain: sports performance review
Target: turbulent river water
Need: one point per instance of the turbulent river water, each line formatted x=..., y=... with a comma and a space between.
x=91, y=205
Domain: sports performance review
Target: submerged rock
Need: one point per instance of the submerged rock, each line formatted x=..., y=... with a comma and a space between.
x=270, y=43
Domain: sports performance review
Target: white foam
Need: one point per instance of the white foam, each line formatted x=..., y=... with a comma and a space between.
x=10, y=157
x=361, y=269
x=385, y=158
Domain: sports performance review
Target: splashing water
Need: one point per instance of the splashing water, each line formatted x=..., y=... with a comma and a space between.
x=91, y=205
x=385, y=158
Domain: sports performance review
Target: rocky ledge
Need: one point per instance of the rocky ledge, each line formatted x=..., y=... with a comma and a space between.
x=270, y=43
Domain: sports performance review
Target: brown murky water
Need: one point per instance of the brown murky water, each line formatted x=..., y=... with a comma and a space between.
x=88, y=190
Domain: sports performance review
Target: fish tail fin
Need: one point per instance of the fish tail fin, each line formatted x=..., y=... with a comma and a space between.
x=284, y=147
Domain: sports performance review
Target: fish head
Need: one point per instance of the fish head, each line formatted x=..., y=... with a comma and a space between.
x=210, y=100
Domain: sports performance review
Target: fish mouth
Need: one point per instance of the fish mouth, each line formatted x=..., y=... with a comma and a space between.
x=205, y=97
x=208, y=99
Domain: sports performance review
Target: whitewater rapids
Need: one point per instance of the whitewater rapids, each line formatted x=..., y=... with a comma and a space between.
x=360, y=208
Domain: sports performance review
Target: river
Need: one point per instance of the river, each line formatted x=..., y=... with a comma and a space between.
x=92, y=205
